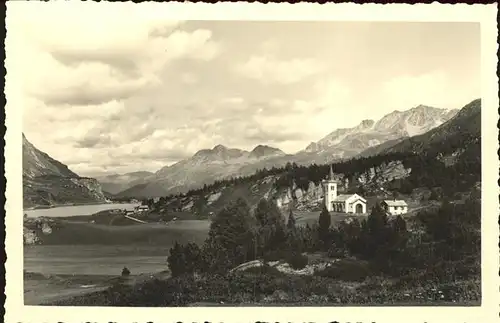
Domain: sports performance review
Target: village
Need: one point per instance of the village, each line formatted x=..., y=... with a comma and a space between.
x=354, y=203
x=342, y=206
x=335, y=196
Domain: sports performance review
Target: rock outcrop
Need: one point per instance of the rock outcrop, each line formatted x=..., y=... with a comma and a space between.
x=47, y=181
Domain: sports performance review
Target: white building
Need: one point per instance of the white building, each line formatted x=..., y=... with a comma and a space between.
x=142, y=208
x=395, y=207
x=342, y=203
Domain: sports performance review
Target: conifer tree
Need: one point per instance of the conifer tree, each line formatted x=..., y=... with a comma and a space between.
x=291, y=221
x=324, y=223
x=231, y=235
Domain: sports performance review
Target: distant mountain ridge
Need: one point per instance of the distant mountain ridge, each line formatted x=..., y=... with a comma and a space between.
x=347, y=142
x=208, y=165
x=116, y=183
x=47, y=181
x=458, y=133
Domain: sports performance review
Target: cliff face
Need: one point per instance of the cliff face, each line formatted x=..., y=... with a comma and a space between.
x=56, y=190
x=373, y=180
x=47, y=181
x=91, y=184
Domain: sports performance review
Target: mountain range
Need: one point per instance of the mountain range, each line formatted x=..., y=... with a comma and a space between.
x=445, y=160
x=448, y=135
x=347, y=142
x=204, y=167
x=221, y=162
x=47, y=181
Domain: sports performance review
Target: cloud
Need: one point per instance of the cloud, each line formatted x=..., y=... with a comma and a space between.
x=409, y=90
x=86, y=84
x=233, y=100
x=433, y=88
x=330, y=92
x=260, y=135
x=113, y=58
x=133, y=90
x=268, y=69
x=189, y=78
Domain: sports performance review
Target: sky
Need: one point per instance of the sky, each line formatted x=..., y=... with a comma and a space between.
x=115, y=91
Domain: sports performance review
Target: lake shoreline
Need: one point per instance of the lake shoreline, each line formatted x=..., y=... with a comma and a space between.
x=66, y=210
x=54, y=206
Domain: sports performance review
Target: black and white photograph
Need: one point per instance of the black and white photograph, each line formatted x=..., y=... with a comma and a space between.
x=245, y=163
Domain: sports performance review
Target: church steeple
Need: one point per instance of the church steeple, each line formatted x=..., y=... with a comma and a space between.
x=330, y=190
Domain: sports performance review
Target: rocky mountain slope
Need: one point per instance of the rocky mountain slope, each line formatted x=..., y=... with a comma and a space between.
x=461, y=132
x=349, y=142
x=204, y=167
x=37, y=163
x=47, y=181
x=458, y=138
x=208, y=165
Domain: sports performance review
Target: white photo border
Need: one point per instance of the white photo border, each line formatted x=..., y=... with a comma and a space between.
x=487, y=312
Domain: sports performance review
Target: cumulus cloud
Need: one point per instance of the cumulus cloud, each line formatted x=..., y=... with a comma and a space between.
x=268, y=69
x=112, y=58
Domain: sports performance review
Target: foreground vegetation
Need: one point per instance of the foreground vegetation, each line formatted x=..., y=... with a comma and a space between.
x=373, y=261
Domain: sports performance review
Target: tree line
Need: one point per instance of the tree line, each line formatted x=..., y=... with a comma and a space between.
x=437, y=237
x=426, y=171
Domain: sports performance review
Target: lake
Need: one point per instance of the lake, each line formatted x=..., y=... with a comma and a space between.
x=94, y=259
x=71, y=267
x=62, y=211
x=60, y=271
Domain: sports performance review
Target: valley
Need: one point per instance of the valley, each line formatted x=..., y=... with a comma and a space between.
x=423, y=170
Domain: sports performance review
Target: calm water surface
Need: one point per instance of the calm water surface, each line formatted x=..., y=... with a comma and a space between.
x=78, y=210
x=94, y=259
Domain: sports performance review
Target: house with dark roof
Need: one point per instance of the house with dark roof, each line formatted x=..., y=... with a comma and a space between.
x=395, y=207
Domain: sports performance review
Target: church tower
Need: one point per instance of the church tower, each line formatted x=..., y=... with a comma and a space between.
x=330, y=186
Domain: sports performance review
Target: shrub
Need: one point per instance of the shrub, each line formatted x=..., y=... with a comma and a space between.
x=336, y=252
x=125, y=271
x=347, y=270
x=185, y=259
x=298, y=261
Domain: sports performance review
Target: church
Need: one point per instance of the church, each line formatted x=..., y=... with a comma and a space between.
x=341, y=203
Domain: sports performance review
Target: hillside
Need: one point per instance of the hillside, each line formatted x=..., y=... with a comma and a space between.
x=209, y=165
x=47, y=181
x=37, y=163
x=116, y=183
x=436, y=166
